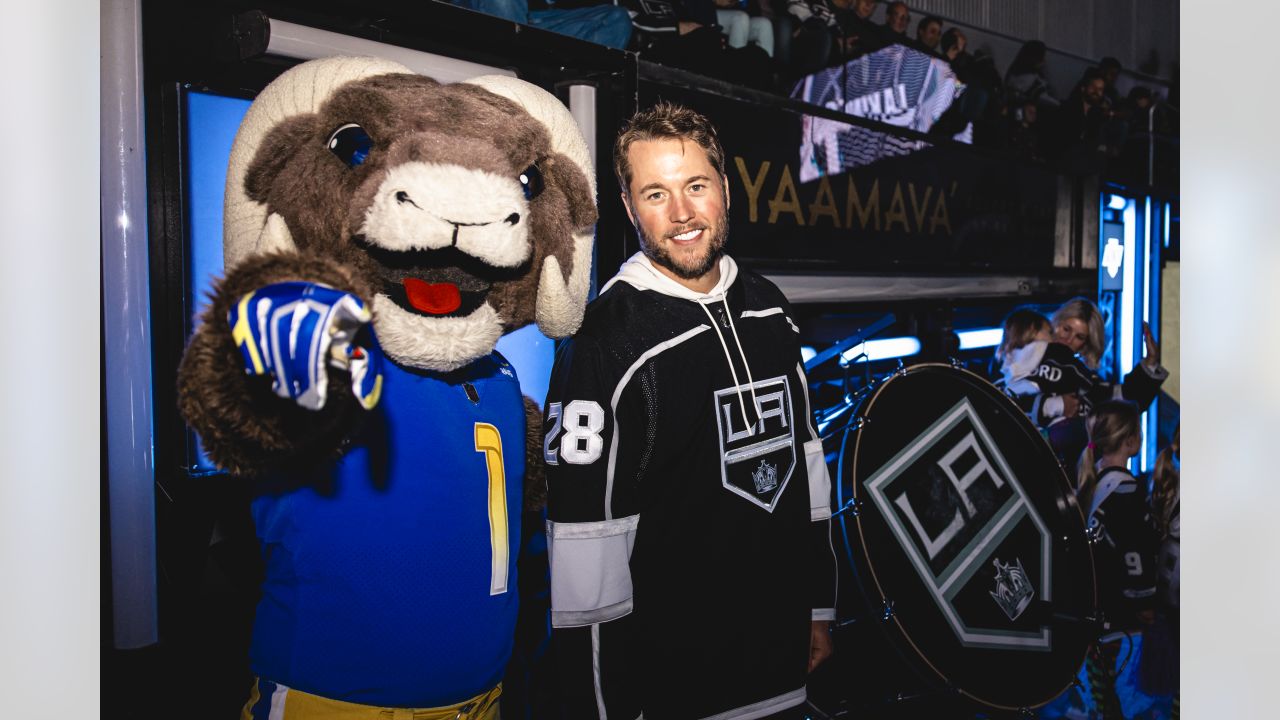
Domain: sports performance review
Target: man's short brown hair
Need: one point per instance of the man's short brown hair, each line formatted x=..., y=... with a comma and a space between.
x=662, y=121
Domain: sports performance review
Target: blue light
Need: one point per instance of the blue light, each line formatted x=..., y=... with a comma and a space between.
x=1167, y=208
x=1146, y=262
x=983, y=338
x=1127, y=300
x=882, y=349
x=807, y=353
x=1116, y=202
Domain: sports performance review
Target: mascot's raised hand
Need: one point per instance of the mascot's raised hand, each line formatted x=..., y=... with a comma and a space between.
x=295, y=331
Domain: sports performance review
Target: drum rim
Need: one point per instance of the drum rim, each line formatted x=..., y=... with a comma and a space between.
x=1065, y=484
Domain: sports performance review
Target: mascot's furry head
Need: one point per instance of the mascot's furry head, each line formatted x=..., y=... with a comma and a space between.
x=466, y=209
x=455, y=212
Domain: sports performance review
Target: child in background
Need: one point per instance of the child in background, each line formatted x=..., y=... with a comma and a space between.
x=1119, y=521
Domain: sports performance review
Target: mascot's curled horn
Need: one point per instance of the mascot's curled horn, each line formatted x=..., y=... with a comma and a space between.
x=382, y=231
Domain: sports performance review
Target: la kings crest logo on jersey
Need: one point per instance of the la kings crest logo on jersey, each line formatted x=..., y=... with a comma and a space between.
x=756, y=460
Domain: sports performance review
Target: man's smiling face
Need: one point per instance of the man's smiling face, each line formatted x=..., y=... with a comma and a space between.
x=678, y=204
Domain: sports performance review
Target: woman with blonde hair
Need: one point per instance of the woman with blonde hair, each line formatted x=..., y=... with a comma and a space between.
x=1079, y=325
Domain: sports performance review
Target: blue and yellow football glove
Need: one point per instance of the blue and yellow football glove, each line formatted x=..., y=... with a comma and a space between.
x=297, y=330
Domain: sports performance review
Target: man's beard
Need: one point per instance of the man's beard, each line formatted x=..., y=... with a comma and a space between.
x=715, y=250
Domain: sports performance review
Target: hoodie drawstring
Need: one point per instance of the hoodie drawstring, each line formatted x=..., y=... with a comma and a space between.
x=751, y=383
x=737, y=385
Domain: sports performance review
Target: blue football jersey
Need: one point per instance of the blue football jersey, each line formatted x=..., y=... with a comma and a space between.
x=391, y=580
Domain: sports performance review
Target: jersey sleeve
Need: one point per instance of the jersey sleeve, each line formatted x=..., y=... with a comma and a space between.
x=821, y=551
x=1142, y=385
x=591, y=529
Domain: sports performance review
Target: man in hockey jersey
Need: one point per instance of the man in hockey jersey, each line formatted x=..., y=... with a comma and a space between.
x=689, y=505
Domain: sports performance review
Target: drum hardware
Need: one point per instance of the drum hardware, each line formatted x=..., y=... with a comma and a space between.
x=855, y=339
x=826, y=432
x=1093, y=533
x=852, y=507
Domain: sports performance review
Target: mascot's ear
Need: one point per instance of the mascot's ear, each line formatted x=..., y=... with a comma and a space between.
x=299, y=91
x=562, y=292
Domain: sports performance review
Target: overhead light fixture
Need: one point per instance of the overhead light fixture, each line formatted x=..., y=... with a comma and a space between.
x=882, y=349
x=980, y=338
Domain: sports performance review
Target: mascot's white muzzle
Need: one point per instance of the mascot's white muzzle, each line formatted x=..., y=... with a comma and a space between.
x=429, y=206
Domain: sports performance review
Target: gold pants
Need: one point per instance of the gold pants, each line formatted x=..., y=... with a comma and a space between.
x=289, y=704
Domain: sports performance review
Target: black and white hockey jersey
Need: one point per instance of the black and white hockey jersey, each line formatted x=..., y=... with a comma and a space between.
x=1039, y=373
x=689, y=502
x=1126, y=547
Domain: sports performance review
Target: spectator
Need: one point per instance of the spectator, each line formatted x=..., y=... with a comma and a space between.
x=1026, y=77
x=953, y=43
x=929, y=32
x=859, y=35
x=1025, y=139
x=686, y=34
x=815, y=38
x=1124, y=556
x=1087, y=130
x=740, y=27
x=592, y=20
x=896, y=19
x=1110, y=68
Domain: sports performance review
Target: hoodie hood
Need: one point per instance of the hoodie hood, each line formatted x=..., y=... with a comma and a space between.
x=640, y=272
x=1021, y=362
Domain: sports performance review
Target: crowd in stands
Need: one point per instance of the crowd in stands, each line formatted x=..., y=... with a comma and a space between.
x=770, y=44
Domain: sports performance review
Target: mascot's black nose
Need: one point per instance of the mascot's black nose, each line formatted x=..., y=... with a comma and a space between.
x=513, y=218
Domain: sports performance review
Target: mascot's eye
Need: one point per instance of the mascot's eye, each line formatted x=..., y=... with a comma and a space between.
x=351, y=144
x=531, y=179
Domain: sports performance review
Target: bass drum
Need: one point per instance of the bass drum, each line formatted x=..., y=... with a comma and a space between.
x=973, y=577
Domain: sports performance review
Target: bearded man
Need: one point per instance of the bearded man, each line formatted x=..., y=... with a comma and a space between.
x=689, y=504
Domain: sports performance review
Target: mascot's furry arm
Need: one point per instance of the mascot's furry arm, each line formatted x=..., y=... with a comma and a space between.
x=245, y=427
x=451, y=214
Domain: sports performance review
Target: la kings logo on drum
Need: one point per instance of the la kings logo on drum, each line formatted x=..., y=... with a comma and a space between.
x=954, y=506
x=757, y=453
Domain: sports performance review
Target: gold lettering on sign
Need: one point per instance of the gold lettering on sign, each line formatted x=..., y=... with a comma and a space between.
x=824, y=205
x=919, y=208
x=752, y=186
x=786, y=200
x=897, y=211
x=869, y=209
x=940, y=215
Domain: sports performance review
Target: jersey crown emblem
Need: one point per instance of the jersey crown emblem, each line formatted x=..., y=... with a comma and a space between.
x=765, y=477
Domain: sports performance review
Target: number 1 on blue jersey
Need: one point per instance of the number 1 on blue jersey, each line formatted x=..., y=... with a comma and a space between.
x=489, y=442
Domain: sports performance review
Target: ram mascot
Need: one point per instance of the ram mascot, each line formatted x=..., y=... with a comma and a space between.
x=381, y=232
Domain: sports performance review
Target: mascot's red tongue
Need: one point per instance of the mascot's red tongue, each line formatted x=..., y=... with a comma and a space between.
x=434, y=298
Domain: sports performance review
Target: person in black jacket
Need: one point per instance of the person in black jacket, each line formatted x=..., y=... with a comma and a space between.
x=689, y=505
x=1054, y=385
x=1079, y=325
x=1125, y=540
